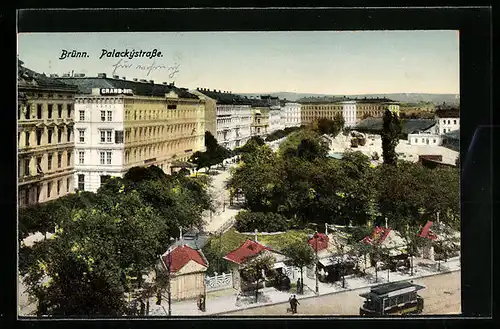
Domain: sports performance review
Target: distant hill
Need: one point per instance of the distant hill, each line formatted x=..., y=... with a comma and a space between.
x=400, y=97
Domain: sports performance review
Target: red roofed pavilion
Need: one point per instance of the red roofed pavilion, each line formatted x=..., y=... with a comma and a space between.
x=187, y=268
x=247, y=250
x=318, y=242
x=180, y=256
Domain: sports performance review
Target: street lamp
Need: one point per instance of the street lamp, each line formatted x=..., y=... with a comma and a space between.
x=315, y=237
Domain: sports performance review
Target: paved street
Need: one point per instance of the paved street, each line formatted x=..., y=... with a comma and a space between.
x=442, y=296
x=220, y=194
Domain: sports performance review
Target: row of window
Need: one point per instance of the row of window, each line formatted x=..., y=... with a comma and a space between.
x=158, y=131
x=106, y=136
x=39, y=111
x=105, y=115
x=26, y=195
x=24, y=166
x=105, y=157
x=424, y=140
x=449, y=122
x=39, y=134
x=81, y=181
x=162, y=114
x=137, y=154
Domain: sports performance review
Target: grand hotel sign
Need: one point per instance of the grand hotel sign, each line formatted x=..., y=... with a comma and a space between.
x=115, y=91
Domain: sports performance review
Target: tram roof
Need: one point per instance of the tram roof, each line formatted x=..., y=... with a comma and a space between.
x=394, y=288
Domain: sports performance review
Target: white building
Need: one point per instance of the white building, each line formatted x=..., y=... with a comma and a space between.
x=349, y=113
x=233, y=117
x=99, y=146
x=291, y=113
x=275, y=122
x=447, y=120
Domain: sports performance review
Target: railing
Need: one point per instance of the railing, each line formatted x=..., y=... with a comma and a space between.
x=226, y=226
x=219, y=282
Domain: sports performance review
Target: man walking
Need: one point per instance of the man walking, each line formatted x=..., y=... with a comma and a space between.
x=293, y=303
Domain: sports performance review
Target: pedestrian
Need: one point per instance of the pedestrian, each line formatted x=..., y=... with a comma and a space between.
x=293, y=303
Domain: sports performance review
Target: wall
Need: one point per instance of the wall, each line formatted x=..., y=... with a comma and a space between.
x=36, y=181
x=90, y=108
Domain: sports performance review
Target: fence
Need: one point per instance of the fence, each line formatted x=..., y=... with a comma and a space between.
x=219, y=282
x=225, y=280
x=226, y=226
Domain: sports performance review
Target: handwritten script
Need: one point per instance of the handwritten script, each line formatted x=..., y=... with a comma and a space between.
x=151, y=67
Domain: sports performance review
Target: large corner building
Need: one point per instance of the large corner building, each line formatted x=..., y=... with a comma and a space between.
x=120, y=124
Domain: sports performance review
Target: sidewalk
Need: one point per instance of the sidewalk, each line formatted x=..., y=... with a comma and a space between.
x=218, y=303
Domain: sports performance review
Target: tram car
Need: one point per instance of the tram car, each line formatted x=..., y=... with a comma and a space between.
x=398, y=298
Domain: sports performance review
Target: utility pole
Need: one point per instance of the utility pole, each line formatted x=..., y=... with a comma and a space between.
x=317, y=260
x=169, y=257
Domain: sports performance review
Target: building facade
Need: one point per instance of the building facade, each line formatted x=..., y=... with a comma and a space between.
x=315, y=109
x=447, y=121
x=349, y=113
x=210, y=112
x=352, y=110
x=45, y=137
x=260, y=118
x=121, y=124
x=291, y=113
x=233, y=117
x=275, y=122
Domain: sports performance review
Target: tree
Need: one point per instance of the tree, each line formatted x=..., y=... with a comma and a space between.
x=210, y=142
x=254, y=271
x=390, y=136
x=258, y=179
x=301, y=254
x=248, y=221
x=311, y=149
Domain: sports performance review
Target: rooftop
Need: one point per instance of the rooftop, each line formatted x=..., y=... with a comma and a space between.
x=181, y=255
x=30, y=79
x=141, y=88
x=408, y=125
x=248, y=249
x=384, y=289
x=224, y=97
x=447, y=113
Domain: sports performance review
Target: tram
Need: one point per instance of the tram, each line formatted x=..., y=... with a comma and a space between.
x=398, y=298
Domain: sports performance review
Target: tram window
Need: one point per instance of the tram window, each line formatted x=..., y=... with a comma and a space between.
x=401, y=299
x=413, y=296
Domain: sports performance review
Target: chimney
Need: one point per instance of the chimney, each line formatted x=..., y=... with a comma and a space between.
x=151, y=81
x=171, y=84
x=180, y=237
x=386, y=222
x=135, y=79
x=124, y=78
x=101, y=75
x=256, y=232
x=65, y=75
x=116, y=77
x=165, y=83
x=326, y=228
x=54, y=76
x=143, y=80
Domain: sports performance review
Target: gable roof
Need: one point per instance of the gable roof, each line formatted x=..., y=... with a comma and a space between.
x=248, y=249
x=378, y=235
x=181, y=255
x=318, y=242
x=426, y=232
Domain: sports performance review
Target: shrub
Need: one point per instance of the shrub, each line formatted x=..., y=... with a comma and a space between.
x=247, y=221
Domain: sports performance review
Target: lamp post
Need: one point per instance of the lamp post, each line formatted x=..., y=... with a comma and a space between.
x=316, y=267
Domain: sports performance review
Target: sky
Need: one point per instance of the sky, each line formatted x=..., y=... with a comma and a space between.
x=323, y=62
